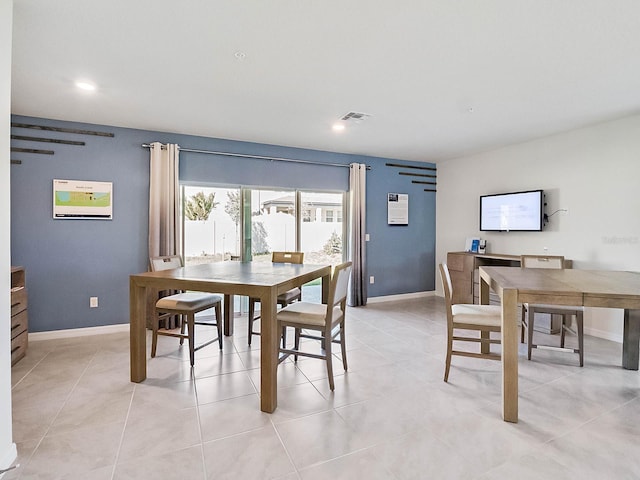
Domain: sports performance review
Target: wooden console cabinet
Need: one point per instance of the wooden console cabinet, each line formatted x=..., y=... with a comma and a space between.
x=19, y=319
x=465, y=280
x=465, y=277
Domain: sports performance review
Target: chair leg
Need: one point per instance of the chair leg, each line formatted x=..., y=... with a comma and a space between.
x=252, y=309
x=485, y=346
x=284, y=337
x=562, y=330
x=523, y=324
x=154, y=336
x=296, y=343
x=343, y=346
x=530, y=323
x=329, y=359
x=580, y=326
x=191, y=327
x=447, y=362
x=182, y=325
x=219, y=323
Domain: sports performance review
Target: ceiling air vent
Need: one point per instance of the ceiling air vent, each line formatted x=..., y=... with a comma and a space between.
x=356, y=117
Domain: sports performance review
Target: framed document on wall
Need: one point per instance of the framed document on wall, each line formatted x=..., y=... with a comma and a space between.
x=80, y=199
x=398, y=208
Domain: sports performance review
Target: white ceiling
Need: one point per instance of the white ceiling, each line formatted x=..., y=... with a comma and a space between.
x=441, y=78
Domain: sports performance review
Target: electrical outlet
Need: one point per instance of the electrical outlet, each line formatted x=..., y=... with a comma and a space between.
x=93, y=302
x=371, y=279
x=366, y=237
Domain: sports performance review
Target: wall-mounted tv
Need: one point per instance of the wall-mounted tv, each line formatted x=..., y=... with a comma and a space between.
x=512, y=212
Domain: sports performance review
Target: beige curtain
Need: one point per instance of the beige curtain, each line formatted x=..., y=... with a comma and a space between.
x=164, y=231
x=164, y=222
x=357, y=231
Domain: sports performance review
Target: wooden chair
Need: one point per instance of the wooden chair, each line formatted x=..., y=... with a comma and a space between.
x=327, y=319
x=284, y=299
x=529, y=311
x=184, y=304
x=480, y=318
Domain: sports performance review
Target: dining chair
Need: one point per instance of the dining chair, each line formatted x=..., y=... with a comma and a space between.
x=185, y=305
x=326, y=319
x=478, y=318
x=284, y=299
x=567, y=313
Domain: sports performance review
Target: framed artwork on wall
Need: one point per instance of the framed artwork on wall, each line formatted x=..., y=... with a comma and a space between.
x=82, y=199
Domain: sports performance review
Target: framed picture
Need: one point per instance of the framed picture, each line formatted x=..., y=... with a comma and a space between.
x=80, y=199
x=398, y=209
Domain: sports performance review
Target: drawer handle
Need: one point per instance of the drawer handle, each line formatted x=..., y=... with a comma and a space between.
x=17, y=326
x=15, y=304
x=13, y=350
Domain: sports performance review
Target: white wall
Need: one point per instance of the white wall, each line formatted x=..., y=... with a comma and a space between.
x=593, y=172
x=7, y=447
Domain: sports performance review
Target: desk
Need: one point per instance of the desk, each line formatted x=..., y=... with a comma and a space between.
x=590, y=288
x=263, y=280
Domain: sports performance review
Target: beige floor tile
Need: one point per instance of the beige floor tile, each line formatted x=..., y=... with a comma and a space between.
x=76, y=415
x=231, y=417
x=73, y=453
x=174, y=465
x=258, y=455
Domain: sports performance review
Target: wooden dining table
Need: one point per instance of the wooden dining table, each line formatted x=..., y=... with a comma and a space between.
x=589, y=288
x=263, y=280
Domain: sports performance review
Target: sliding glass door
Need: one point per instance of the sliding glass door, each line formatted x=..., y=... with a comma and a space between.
x=211, y=224
x=224, y=224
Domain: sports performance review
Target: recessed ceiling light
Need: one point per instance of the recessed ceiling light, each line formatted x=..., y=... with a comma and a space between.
x=338, y=127
x=89, y=87
x=240, y=55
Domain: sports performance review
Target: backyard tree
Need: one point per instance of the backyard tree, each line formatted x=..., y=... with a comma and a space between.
x=334, y=244
x=199, y=206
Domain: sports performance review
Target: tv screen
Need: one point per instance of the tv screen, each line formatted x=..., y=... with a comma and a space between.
x=512, y=212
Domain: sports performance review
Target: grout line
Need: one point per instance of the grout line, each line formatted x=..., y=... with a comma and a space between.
x=124, y=427
x=57, y=413
x=199, y=420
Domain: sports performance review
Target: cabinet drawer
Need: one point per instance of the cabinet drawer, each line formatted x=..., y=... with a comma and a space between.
x=19, y=323
x=19, y=347
x=18, y=300
x=455, y=262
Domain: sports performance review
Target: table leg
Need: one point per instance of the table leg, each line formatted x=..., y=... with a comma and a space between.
x=485, y=347
x=326, y=281
x=509, y=335
x=137, y=331
x=269, y=340
x=631, y=339
x=228, y=314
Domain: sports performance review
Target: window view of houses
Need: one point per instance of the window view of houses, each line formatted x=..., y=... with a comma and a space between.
x=213, y=225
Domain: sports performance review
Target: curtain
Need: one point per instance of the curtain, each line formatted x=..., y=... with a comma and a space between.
x=164, y=222
x=357, y=230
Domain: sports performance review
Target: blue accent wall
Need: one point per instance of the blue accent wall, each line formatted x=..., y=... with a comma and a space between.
x=68, y=261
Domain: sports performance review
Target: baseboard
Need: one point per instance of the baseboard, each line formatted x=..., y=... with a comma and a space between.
x=78, y=332
x=401, y=296
x=8, y=457
x=594, y=332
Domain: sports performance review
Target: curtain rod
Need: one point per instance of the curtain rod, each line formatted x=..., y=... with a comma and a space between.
x=258, y=157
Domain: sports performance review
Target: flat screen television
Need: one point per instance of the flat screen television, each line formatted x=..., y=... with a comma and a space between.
x=512, y=212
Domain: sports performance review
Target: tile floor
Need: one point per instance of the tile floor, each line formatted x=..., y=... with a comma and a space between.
x=77, y=416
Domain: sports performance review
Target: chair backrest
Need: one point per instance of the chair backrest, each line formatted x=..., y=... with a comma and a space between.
x=338, y=288
x=287, y=257
x=165, y=262
x=448, y=289
x=542, y=261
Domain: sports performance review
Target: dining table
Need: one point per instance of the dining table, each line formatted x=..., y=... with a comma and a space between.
x=573, y=287
x=263, y=280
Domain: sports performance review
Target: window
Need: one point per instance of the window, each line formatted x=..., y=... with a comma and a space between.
x=214, y=229
x=273, y=222
x=211, y=224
